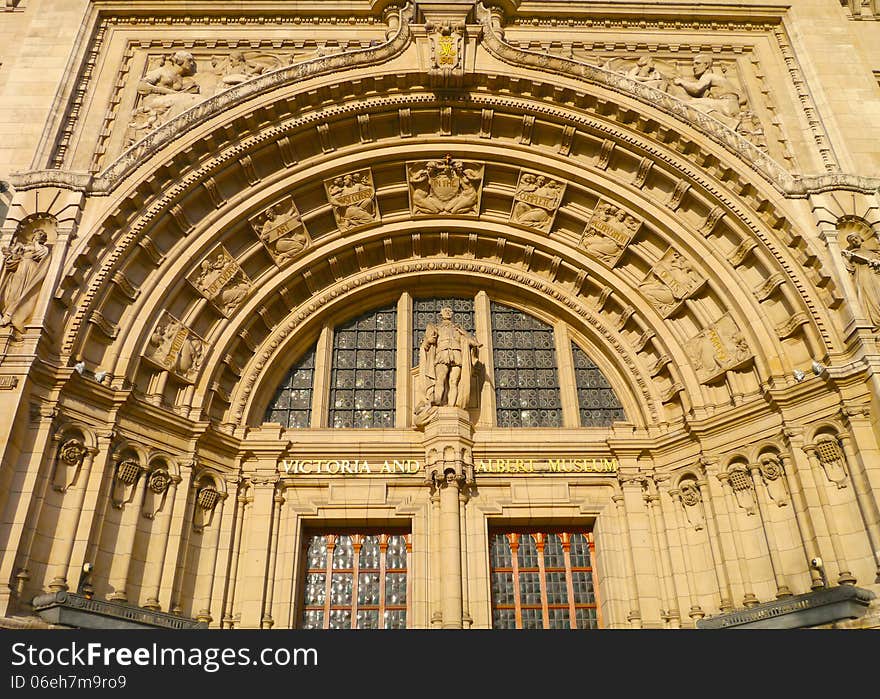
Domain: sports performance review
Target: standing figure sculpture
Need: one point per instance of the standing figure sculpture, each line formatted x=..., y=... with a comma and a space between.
x=711, y=92
x=24, y=267
x=446, y=360
x=862, y=257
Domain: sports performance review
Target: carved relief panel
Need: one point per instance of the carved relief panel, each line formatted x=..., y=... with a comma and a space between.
x=353, y=198
x=671, y=280
x=536, y=201
x=175, y=347
x=608, y=232
x=447, y=186
x=221, y=280
x=282, y=231
x=717, y=349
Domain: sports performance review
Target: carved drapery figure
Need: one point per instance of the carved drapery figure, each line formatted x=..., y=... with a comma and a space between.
x=446, y=361
x=237, y=68
x=24, y=268
x=670, y=281
x=352, y=197
x=536, y=201
x=282, y=231
x=862, y=257
x=712, y=92
x=445, y=187
x=165, y=91
x=717, y=349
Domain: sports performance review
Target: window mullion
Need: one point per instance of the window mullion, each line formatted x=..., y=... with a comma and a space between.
x=357, y=542
x=483, y=334
x=383, y=550
x=592, y=546
x=542, y=580
x=514, y=563
x=567, y=380
x=328, y=583
x=569, y=579
x=403, y=381
x=321, y=381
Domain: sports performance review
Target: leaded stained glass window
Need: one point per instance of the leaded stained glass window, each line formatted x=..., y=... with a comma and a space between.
x=428, y=311
x=363, y=371
x=542, y=580
x=292, y=404
x=526, y=377
x=598, y=405
x=356, y=581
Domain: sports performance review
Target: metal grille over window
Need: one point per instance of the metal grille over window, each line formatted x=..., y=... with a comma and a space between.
x=356, y=581
x=598, y=405
x=292, y=404
x=363, y=374
x=526, y=377
x=428, y=311
x=542, y=580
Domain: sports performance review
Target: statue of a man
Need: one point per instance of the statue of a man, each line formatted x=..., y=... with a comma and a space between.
x=24, y=267
x=446, y=360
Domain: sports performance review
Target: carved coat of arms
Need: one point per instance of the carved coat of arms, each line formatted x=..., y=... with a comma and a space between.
x=445, y=186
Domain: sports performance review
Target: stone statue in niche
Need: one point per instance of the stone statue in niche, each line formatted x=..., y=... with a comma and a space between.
x=165, y=91
x=25, y=264
x=717, y=349
x=862, y=258
x=671, y=280
x=608, y=232
x=710, y=91
x=445, y=186
x=282, y=231
x=175, y=347
x=353, y=198
x=536, y=201
x=222, y=281
x=447, y=357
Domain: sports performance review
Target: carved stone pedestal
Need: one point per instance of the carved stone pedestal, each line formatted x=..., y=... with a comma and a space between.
x=449, y=467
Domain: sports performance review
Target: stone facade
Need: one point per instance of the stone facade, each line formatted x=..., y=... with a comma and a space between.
x=198, y=196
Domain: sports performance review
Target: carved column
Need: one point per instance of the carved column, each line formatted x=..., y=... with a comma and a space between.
x=131, y=508
x=764, y=501
x=794, y=467
x=708, y=468
x=253, y=576
x=670, y=614
x=845, y=576
x=153, y=568
x=696, y=611
x=243, y=498
x=267, y=622
x=211, y=506
x=68, y=523
x=449, y=469
x=729, y=502
x=861, y=470
x=634, y=616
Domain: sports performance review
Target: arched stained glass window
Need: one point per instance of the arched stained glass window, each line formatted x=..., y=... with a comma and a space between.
x=292, y=404
x=526, y=377
x=598, y=405
x=363, y=371
x=428, y=311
